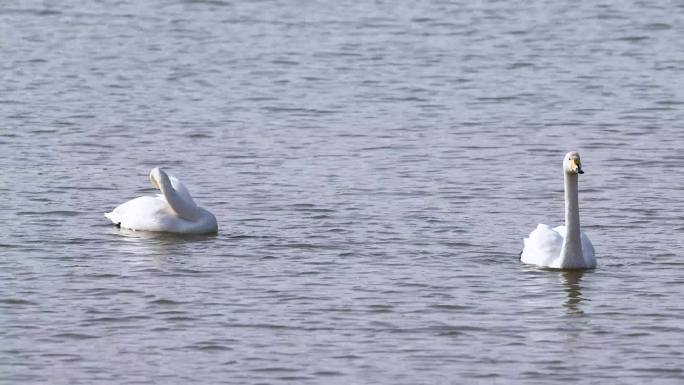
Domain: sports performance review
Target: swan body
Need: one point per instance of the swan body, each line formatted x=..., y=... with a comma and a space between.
x=173, y=210
x=562, y=247
x=544, y=245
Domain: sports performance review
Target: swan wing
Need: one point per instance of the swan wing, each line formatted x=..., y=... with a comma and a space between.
x=144, y=213
x=588, y=250
x=543, y=246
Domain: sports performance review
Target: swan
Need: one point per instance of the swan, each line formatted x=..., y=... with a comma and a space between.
x=171, y=211
x=562, y=247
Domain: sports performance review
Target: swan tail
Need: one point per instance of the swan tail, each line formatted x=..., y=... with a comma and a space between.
x=114, y=217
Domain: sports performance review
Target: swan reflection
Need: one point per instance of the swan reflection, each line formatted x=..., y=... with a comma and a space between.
x=571, y=280
x=166, y=251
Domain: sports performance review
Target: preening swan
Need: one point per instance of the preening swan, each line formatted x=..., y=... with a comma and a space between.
x=563, y=247
x=171, y=211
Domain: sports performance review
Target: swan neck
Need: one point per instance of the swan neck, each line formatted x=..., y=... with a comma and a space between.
x=572, y=245
x=182, y=208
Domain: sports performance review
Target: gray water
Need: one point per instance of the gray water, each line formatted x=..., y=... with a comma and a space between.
x=374, y=167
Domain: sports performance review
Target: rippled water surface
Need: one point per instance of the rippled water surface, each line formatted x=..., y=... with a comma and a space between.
x=374, y=167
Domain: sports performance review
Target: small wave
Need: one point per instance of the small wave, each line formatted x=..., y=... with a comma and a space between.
x=16, y=301
x=74, y=336
x=60, y=213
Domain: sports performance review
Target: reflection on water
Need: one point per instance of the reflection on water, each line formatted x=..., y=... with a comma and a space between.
x=166, y=251
x=571, y=279
x=161, y=237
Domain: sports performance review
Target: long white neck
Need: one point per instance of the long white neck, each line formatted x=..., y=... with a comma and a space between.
x=571, y=254
x=184, y=209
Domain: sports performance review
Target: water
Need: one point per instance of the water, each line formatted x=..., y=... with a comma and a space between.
x=374, y=167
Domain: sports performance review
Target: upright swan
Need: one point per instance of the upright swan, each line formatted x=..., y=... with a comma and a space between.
x=563, y=247
x=171, y=211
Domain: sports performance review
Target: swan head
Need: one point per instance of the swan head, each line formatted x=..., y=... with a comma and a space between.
x=155, y=177
x=572, y=163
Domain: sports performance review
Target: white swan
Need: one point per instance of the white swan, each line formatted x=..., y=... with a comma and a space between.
x=563, y=247
x=171, y=211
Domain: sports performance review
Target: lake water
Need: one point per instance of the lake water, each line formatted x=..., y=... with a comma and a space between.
x=374, y=167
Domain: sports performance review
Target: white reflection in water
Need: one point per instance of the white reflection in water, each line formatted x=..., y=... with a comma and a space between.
x=571, y=279
x=166, y=251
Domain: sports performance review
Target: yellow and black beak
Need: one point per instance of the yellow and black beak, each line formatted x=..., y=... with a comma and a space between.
x=578, y=166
